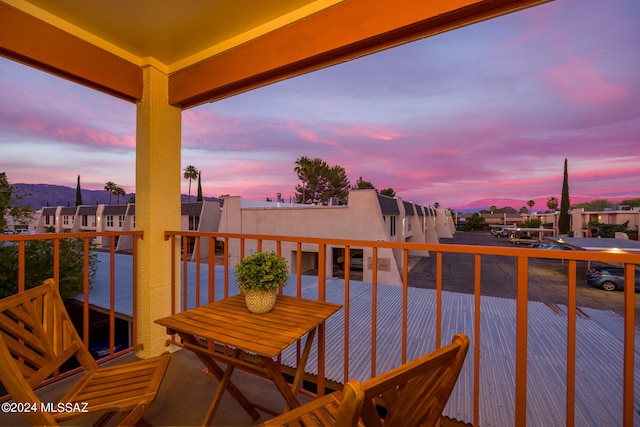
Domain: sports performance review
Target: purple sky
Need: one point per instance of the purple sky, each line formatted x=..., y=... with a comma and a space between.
x=490, y=110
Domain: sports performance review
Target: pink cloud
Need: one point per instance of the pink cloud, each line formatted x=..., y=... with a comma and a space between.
x=369, y=131
x=579, y=80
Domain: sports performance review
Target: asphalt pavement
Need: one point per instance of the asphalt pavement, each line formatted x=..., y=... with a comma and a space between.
x=498, y=277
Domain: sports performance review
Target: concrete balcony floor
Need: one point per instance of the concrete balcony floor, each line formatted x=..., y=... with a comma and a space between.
x=184, y=397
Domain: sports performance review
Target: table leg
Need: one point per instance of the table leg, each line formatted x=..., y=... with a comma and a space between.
x=276, y=376
x=289, y=393
x=227, y=384
x=225, y=381
x=297, y=381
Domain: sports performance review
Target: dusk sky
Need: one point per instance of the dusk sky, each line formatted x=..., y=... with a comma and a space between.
x=487, y=111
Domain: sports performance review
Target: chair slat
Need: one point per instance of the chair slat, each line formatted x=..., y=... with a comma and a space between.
x=414, y=394
x=37, y=337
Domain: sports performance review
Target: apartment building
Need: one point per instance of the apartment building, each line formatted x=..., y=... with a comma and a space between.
x=195, y=216
x=366, y=216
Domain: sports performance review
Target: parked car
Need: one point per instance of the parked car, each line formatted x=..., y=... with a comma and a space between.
x=521, y=239
x=609, y=278
x=501, y=233
x=557, y=247
x=356, y=261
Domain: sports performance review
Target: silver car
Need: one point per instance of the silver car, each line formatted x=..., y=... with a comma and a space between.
x=609, y=278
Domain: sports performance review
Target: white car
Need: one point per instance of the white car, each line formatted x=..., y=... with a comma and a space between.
x=521, y=239
x=356, y=261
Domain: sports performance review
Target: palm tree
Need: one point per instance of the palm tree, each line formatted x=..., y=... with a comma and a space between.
x=530, y=203
x=552, y=203
x=303, y=170
x=110, y=187
x=190, y=172
x=119, y=191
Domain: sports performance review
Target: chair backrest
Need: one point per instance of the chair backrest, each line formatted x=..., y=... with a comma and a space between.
x=416, y=393
x=36, y=338
x=350, y=405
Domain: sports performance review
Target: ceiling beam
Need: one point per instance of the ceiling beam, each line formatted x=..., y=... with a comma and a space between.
x=350, y=29
x=31, y=41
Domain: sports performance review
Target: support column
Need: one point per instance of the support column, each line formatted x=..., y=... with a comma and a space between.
x=158, y=176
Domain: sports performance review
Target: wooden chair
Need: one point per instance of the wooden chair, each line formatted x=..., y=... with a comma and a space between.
x=341, y=408
x=37, y=337
x=413, y=394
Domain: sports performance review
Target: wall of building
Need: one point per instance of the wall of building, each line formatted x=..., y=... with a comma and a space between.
x=360, y=219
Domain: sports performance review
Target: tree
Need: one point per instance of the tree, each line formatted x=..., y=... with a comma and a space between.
x=39, y=266
x=524, y=210
x=110, y=187
x=362, y=185
x=78, y=193
x=530, y=203
x=320, y=182
x=303, y=170
x=599, y=229
x=565, y=204
x=199, y=198
x=8, y=205
x=532, y=223
x=190, y=172
x=119, y=191
x=552, y=203
x=594, y=205
x=388, y=192
x=476, y=222
x=631, y=202
x=436, y=205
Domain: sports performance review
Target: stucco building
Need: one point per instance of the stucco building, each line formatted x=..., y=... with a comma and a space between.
x=366, y=216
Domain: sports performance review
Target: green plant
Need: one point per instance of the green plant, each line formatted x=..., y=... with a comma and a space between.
x=261, y=271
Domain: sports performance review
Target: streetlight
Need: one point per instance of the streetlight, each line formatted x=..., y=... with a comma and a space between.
x=562, y=249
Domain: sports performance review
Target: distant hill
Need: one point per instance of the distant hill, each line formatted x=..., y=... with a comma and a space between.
x=540, y=206
x=59, y=195
x=42, y=195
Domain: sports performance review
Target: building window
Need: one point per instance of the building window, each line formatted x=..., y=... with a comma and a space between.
x=85, y=221
x=47, y=220
x=109, y=220
x=194, y=222
x=392, y=228
x=409, y=225
x=120, y=220
x=65, y=220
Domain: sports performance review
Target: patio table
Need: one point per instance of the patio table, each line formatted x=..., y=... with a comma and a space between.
x=228, y=323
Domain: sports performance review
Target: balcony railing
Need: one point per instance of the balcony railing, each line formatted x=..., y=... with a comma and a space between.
x=200, y=282
x=293, y=247
x=90, y=243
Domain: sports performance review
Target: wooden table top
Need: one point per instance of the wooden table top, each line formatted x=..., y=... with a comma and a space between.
x=229, y=322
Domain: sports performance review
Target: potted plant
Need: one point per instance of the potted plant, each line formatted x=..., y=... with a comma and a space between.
x=258, y=277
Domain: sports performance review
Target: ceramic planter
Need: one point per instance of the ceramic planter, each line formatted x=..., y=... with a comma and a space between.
x=260, y=301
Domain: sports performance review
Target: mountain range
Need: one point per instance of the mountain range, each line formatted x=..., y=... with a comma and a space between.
x=540, y=203
x=40, y=195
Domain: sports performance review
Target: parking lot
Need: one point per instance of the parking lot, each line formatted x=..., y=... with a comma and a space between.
x=547, y=278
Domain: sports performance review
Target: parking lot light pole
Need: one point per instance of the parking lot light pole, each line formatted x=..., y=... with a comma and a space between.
x=562, y=249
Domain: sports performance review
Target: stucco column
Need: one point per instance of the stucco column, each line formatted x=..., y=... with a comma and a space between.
x=158, y=176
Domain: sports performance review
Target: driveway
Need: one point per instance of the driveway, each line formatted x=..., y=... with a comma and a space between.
x=547, y=278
